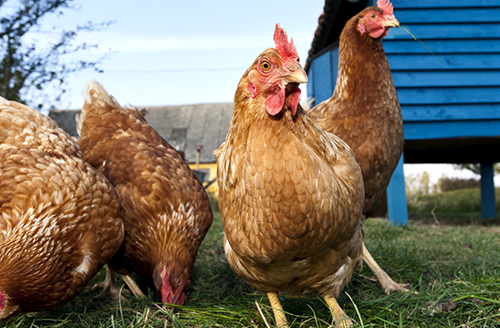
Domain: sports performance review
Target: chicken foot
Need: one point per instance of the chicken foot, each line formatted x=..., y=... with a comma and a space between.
x=388, y=285
x=109, y=286
x=342, y=320
x=279, y=314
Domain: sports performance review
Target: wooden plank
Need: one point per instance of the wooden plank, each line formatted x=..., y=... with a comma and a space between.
x=310, y=84
x=446, y=78
x=444, y=3
x=461, y=95
x=450, y=112
x=397, y=208
x=448, y=61
x=448, y=15
x=322, y=73
x=438, y=47
x=488, y=206
x=453, y=129
x=334, y=64
x=446, y=31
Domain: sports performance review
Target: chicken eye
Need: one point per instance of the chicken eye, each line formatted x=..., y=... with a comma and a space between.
x=373, y=16
x=265, y=66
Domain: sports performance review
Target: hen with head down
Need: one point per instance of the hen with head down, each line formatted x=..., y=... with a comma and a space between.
x=59, y=217
x=166, y=211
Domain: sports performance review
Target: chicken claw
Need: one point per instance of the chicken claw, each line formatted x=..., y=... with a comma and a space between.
x=342, y=320
x=388, y=285
x=279, y=314
x=109, y=287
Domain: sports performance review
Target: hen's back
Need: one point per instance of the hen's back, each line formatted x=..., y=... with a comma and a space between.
x=59, y=220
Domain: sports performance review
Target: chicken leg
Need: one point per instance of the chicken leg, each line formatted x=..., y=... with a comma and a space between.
x=110, y=288
x=388, y=285
x=132, y=285
x=342, y=320
x=279, y=314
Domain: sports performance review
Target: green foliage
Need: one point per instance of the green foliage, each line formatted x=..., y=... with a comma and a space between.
x=475, y=167
x=456, y=203
x=27, y=67
x=455, y=271
x=448, y=184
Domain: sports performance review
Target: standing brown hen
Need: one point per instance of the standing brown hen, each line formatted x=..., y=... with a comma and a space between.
x=166, y=209
x=59, y=217
x=290, y=194
x=364, y=110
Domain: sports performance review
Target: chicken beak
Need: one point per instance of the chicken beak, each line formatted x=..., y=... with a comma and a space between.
x=390, y=21
x=296, y=74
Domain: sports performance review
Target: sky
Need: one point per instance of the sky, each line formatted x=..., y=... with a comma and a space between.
x=161, y=52
x=182, y=52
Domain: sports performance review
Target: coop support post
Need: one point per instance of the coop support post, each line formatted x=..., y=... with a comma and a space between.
x=488, y=207
x=396, y=197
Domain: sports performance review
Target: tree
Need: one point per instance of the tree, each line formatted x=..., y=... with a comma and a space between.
x=475, y=168
x=27, y=67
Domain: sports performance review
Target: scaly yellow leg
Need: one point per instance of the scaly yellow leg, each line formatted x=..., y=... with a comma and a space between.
x=279, y=315
x=383, y=278
x=340, y=317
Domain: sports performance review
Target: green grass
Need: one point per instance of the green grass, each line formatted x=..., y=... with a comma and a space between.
x=447, y=265
x=462, y=205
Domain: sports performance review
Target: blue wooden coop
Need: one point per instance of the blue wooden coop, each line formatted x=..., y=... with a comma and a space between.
x=451, y=109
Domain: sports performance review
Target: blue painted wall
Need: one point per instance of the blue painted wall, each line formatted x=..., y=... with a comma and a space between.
x=458, y=97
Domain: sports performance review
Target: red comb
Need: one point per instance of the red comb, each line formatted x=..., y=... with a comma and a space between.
x=286, y=49
x=386, y=6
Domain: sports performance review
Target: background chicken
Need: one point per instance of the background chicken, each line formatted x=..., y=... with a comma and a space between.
x=364, y=110
x=166, y=210
x=59, y=220
x=290, y=193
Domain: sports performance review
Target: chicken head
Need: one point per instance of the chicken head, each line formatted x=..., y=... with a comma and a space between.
x=379, y=20
x=277, y=75
x=172, y=285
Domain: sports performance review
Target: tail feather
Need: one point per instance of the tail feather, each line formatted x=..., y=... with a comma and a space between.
x=95, y=96
x=96, y=92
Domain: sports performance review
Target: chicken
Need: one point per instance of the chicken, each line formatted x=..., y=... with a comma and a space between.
x=166, y=211
x=364, y=110
x=59, y=217
x=290, y=194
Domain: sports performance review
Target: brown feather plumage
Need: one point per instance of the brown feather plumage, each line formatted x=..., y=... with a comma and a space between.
x=364, y=110
x=59, y=220
x=290, y=194
x=166, y=209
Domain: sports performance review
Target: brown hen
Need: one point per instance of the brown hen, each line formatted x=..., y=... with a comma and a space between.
x=364, y=110
x=166, y=209
x=59, y=217
x=290, y=194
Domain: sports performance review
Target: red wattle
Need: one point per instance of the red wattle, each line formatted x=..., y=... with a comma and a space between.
x=294, y=100
x=275, y=101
